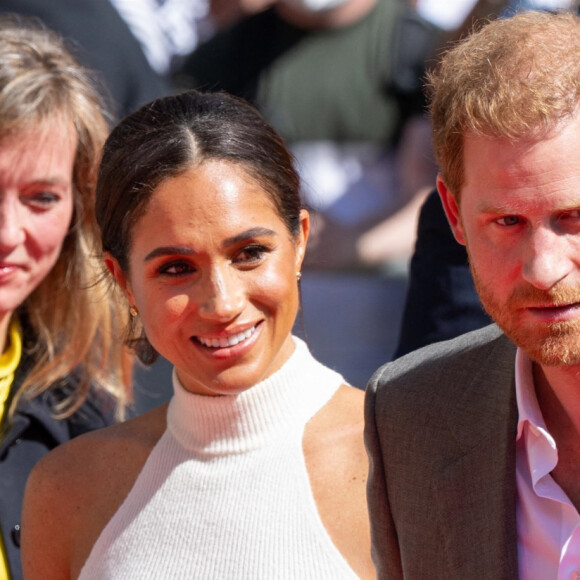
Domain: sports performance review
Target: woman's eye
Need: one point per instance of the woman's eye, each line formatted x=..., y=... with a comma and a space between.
x=42, y=199
x=251, y=254
x=508, y=220
x=176, y=269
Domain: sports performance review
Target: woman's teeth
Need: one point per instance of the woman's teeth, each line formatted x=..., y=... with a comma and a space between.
x=229, y=341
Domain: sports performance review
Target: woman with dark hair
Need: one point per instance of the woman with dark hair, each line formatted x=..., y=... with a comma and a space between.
x=256, y=468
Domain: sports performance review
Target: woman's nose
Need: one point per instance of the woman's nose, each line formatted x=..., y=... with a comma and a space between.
x=12, y=229
x=223, y=295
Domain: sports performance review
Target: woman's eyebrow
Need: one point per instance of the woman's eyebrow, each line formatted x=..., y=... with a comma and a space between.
x=187, y=251
x=168, y=251
x=251, y=233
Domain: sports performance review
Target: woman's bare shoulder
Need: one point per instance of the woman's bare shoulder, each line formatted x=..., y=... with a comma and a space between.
x=339, y=425
x=110, y=446
x=96, y=467
x=337, y=464
x=75, y=489
x=342, y=417
x=348, y=403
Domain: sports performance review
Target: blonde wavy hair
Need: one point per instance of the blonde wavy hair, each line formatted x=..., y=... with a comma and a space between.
x=516, y=78
x=73, y=313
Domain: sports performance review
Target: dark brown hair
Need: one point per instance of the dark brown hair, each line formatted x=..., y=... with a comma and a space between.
x=176, y=133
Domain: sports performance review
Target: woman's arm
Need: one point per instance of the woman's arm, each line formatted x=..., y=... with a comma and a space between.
x=46, y=520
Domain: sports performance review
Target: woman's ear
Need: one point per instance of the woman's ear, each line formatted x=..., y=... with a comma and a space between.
x=302, y=238
x=451, y=208
x=117, y=272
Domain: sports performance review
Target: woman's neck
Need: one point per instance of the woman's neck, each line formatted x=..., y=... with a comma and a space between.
x=5, y=318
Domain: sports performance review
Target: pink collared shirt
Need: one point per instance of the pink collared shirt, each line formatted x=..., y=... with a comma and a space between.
x=548, y=523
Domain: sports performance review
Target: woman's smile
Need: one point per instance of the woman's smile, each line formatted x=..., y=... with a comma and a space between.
x=229, y=348
x=213, y=274
x=226, y=340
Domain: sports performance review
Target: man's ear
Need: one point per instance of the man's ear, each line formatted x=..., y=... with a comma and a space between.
x=451, y=210
x=117, y=272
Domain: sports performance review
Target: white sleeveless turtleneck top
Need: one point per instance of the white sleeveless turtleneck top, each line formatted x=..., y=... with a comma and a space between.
x=225, y=492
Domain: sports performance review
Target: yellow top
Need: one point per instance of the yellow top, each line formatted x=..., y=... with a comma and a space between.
x=9, y=361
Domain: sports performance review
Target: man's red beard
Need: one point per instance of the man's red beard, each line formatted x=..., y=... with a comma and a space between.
x=547, y=343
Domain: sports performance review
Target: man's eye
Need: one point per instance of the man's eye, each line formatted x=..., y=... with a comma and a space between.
x=571, y=215
x=509, y=220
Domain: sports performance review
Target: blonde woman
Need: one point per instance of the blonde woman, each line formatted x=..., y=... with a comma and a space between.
x=61, y=368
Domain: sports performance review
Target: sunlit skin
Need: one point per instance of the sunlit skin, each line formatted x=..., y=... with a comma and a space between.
x=519, y=217
x=36, y=206
x=211, y=260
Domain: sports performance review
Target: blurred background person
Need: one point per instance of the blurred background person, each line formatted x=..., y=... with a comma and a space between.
x=62, y=370
x=101, y=40
x=449, y=15
x=549, y=5
x=167, y=29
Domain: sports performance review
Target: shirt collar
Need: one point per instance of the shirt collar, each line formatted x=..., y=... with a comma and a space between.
x=528, y=408
x=540, y=446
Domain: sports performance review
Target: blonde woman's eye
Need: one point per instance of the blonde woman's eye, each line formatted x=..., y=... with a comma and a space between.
x=43, y=199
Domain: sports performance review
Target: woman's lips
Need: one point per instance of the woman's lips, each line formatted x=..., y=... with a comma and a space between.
x=7, y=268
x=226, y=341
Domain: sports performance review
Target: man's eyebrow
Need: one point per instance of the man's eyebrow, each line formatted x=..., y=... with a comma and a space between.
x=188, y=251
x=500, y=207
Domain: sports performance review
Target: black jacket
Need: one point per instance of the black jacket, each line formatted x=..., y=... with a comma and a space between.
x=32, y=433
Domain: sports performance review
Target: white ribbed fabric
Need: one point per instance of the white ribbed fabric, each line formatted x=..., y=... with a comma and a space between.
x=225, y=492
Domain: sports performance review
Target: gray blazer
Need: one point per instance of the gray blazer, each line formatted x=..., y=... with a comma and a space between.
x=440, y=433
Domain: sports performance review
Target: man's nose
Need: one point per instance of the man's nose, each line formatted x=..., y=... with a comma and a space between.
x=548, y=258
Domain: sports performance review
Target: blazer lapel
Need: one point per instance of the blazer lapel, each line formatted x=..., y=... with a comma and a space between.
x=480, y=525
